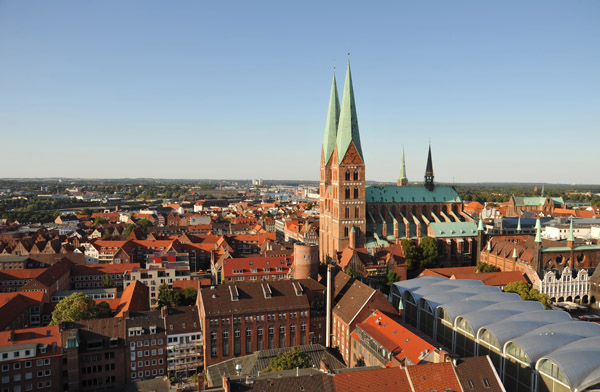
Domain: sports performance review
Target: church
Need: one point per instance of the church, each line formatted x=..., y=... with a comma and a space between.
x=358, y=216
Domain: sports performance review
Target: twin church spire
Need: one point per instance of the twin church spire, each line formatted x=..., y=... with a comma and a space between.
x=341, y=128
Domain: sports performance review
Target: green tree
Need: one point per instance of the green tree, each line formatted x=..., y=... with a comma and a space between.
x=411, y=253
x=429, y=250
x=485, y=267
x=100, y=221
x=86, y=211
x=107, y=281
x=391, y=277
x=102, y=310
x=145, y=224
x=288, y=360
x=309, y=206
x=169, y=297
x=76, y=306
x=189, y=296
x=527, y=293
x=128, y=231
x=350, y=271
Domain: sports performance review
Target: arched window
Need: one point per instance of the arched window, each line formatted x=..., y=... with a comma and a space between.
x=357, y=212
x=248, y=332
x=271, y=330
x=345, y=232
x=236, y=333
x=347, y=175
x=355, y=175
x=225, y=334
x=356, y=192
x=347, y=213
x=213, y=335
x=347, y=193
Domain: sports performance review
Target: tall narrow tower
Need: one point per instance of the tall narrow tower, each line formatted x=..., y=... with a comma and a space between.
x=325, y=188
x=348, y=176
x=403, y=180
x=429, y=172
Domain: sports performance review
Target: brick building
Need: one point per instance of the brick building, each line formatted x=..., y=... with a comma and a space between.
x=185, y=351
x=375, y=216
x=146, y=348
x=241, y=318
x=31, y=360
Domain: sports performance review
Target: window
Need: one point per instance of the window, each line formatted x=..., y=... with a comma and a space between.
x=486, y=383
x=17, y=365
x=356, y=192
x=347, y=193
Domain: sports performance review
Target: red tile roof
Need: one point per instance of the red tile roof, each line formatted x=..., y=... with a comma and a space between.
x=380, y=380
x=434, y=376
x=40, y=335
x=135, y=298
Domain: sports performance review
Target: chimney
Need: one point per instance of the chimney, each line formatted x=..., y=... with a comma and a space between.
x=163, y=312
x=328, y=309
x=126, y=314
x=226, y=385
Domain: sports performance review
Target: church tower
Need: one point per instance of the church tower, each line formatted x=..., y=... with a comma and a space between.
x=403, y=180
x=325, y=188
x=429, y=172
x=343, y=204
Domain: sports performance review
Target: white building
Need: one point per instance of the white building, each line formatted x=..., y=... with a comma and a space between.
x=568, y=285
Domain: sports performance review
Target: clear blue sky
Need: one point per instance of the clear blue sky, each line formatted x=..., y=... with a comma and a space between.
x=506, y=90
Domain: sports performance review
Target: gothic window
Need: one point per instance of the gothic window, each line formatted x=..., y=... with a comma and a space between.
x=347, y=193
x=356, y=192
x=347, y=213
x=357, y=212
x=347, y=175
x=355, y=175
x=345, y=232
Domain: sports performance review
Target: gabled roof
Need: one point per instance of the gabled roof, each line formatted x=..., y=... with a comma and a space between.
x=380, y=380
x=134, y=298
x=434, y=376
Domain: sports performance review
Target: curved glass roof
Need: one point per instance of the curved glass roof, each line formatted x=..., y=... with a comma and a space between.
x=538, y=345
x=580, y=328
x=580, y=366
x=457, y=294
x=518, y=324
x=454, y=309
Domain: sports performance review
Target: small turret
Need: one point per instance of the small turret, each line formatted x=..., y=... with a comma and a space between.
x=429, y=172
x=519, y=226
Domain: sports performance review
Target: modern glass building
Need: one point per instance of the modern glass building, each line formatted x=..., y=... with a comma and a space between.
x=533, y=349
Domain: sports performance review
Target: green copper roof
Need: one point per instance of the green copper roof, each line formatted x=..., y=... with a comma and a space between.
x=514, y=255
x=570, y=236
x=479, y=224
x=348, y=124
x=519, y=225
x=411, y=194
x=454, y=229
x=489, y=246
x=403, y=168
x=538, y=224
x=538, y=235
x=333, y=116
x=536, y=201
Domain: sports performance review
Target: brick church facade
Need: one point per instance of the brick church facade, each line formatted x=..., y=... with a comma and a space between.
x=356, y=216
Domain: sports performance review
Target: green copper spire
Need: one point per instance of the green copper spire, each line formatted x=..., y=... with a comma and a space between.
x=538, y=224
x=333, y=116
x=348, y=124
x=519, y=225
x=480, y=224
x=403, y=168
x=570, y=237
x=489, y=246
x=515, y=252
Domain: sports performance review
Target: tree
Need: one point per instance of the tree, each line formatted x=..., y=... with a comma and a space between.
x=102, y=310
x=144, y=224
x=86, y=211
x=411, y=253
x=189, y=296
x=527, y=293
x=485, y=267
x=128, y=230
x=288, y=360
x=350, y=271
x=100, y=221
x=391, y=277
x=107, y=281
x=76, y=306
x=309, y=206
x=429, y=251
x=169, y=297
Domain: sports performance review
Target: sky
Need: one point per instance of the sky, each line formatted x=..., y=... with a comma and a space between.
x=507, y=91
